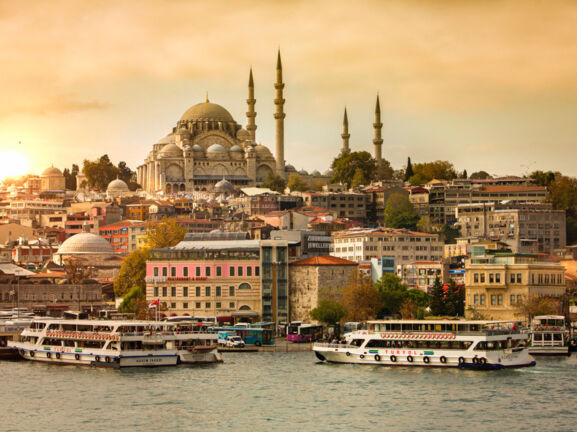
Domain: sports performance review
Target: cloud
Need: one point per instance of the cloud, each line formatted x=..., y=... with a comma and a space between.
x=62, y=104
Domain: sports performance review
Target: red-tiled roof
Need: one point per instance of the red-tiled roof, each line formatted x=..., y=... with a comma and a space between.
x=323, y=261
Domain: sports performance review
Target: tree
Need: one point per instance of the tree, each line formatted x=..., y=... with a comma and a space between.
x=77, y=270
x=99, y=173
x=132, y=273
x=328, y=312
x=392, y=293
x=295, y=183
x=534, y=305
x=127, y=175
x=563, y=195
x=464, y=174
x=384, y=171
x=345, y=166
x=544, y=178
x=409, y=171
x=165, y=233
x=425, y=225
x=135, y=302
x=274, y=182
x=400, y=213
x=427, y=171
x=449, y=234
x=360, y=298
x=454, y=299
x=437, y=304
x=359, y=178
x=480, y=175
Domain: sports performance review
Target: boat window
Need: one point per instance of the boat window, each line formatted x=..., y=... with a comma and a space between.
x=538, y=336
x=377, y=343
x=557, y=336
x=357, y=342
x=68, y=343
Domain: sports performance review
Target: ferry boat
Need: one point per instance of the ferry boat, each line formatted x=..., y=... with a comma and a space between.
x=10, y=331
x=196, y=343
x=549, y=335
x=432, y=343
x=98, y=343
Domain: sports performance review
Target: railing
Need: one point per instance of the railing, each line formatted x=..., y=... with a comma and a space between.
x=334, y=345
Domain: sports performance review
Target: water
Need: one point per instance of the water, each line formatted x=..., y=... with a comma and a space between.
x=287, y=392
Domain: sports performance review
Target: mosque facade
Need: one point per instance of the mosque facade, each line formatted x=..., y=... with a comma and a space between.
x=207, y=145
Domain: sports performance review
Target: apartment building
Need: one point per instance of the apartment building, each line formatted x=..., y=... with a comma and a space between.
x=363, y=244
x=124, y=236
x=349, y=205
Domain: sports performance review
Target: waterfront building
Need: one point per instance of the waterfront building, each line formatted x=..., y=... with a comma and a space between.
x=525, y=228
x=33, y=252
x=349, y=205
x=498, y=283
x=315, y=279
x=422, y=274
x=362, y=244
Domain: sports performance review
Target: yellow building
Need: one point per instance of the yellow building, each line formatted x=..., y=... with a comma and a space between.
x=497, y=284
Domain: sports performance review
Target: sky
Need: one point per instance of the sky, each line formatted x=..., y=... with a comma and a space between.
x=488, y=85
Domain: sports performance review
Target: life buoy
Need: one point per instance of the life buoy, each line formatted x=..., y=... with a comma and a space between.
x=443, y=359
x=77, y=356
x=483, y=361
x=426, y=359
x=410, y=359
x=461, y=360
x=48, y=355
x=22, y=352
x=107, y=359
x=475, y=360
x=377, y=357
x=58, y=356
x=393, y=358
x=97, y=358
x=31, y=353
x=348, y=354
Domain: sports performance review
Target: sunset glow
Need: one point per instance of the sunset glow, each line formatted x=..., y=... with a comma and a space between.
x=12, y=163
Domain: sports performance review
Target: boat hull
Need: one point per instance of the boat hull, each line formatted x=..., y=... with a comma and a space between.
x=199, y=356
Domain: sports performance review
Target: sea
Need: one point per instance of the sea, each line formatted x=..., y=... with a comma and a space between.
x=287, y=391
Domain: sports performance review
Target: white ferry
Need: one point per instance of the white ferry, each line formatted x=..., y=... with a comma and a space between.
x=549, y=335
x=98, y=343
x=440, y=343
x=195, y=342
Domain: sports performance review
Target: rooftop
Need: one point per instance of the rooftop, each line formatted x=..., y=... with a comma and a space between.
x=324, y=261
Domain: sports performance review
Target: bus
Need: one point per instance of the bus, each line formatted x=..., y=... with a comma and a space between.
x=251, y=335
x=300, y=332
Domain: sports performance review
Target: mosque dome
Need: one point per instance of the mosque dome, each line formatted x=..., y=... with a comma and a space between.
x=262, y=150
x=243, y=135
x=52, y=171
x=85, y=243
x=236, y=149
x=224, y=186
x=197, y=148
x=316, y=173
x=207, y=111
x=303, y=172
x=117, y=186
x=290, y=168
x=167, y=139
x=216, y=149
x=170, y=150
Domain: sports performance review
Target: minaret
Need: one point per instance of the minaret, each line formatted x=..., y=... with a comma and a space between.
x=345, y=135
x=251, y=114
x=377, y=125
x=279, y=116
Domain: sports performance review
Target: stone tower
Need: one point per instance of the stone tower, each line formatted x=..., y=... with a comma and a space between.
x=377, y=125
x=279, y=116
x=345, y=135
x=251, y=114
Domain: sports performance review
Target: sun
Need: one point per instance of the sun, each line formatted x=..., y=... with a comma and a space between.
x=12, y=164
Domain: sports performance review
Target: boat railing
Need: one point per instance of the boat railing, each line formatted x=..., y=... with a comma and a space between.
x=334, y=345
x=480, y=332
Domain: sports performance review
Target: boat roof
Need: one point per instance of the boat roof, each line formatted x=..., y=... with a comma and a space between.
x=445, y=321
x=101, y=322
x=549, y=317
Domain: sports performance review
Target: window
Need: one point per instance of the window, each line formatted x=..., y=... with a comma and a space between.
x=207, y=305
x=185, y=272
x=231, y=291
x=155, y=291
x=185, y=291
x=244, y=286
x=173, y=291
x=185, y=305
x=482, y=299
x=207, y=291
x=197, y=305
x=491, y=278
x=512, y=278
x=207, y=271
x=249, y=271
x=482, y=277
x=476, y=299
x=499, y=299
x=493, y=299
x=155, y=271
x=173, y=271
x=512, y=299
x=519, y=298
x=218, y=270
x=164, y=292
x=231, y=271
x=197, y=271
x=476, y=277
x=518, y=277
x=218, y=305
x=498, y=277
x=240, y=271
x=257, y=271
x=164, y=271
x=173, y=305
x=198, y=292
x=231, y=305
x=217, y=291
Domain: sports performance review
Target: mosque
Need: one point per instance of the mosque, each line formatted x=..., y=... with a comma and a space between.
x=207, y=146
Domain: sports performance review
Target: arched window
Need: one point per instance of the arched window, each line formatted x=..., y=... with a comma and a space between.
x=244, y=308
x=244, y=286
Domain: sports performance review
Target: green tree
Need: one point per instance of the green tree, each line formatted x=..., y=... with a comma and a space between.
x=99, y=172
x=427, y=171
x=360, y=298
x=127, y=175
x=409, y=171
x=425, y=225
x=545, y=178
x=384, y=171
x=563, y=195
x=454, y=299
x=480, y=175
x=295, y=183
x=274, y=182
x=448, y=234
x=135, y=302
x=345, y=166
x=392, y=293
x=132, y=273
x=328, y=312
x=400, y=213
x=437, y=303
x=418, y=297
x=464, y=174
x=359, y=178
x=163, y=234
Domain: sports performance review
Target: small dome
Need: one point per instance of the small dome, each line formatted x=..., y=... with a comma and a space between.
x=303, y=172
x=167, y=139
x=52, y=171
x=262, y=150
x=170, y=150
x=85, y=243
x=328, y=173
x=243, y=135
x=316, y=173
x=207, y=112
x=117, y=186
x=224, y=186
x=290, y=168
x=236, y=149
x=197, y=148
x=216, y=148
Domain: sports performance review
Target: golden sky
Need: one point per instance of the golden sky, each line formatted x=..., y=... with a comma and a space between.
x=485, y=84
